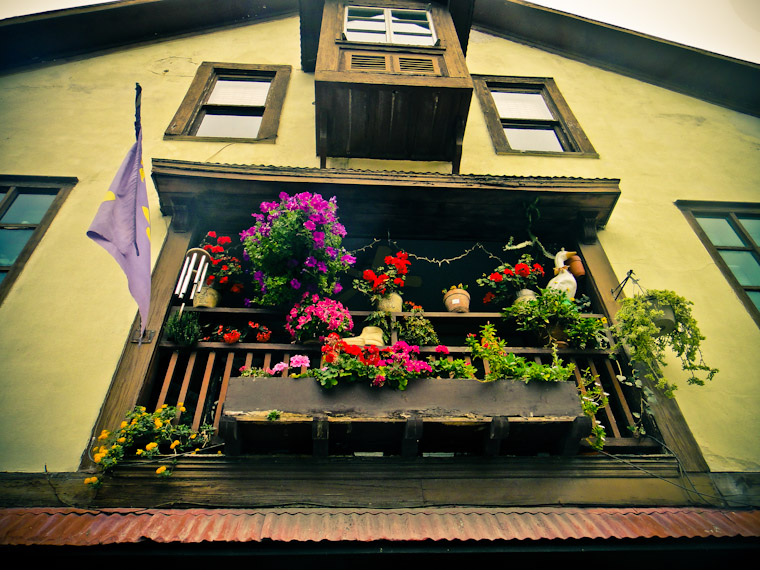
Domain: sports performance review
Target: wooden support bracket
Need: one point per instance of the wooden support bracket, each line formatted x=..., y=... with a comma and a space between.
x=410, y=443
x=498, y=430
x=320, y=435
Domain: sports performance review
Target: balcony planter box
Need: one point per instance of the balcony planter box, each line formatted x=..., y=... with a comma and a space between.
x=431, y=416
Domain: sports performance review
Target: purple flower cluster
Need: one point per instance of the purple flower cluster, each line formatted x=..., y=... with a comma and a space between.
x=295, y=246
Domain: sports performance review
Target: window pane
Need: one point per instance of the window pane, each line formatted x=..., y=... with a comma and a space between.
x=370, y=37
x=233, y=126
x=252, y=93
x=744, y=266
x=28, y=208
x=521, y=105
x=755, y=298
x=354, y=12
x=720, y=232
x=752, y=225
x=533, y=139
x=366, y=25
x=11, y=244
x=412, y=40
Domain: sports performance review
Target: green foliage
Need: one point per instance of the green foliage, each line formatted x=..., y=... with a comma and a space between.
x=504, y=364
x=184, y=328
x=274, y=415
x=557, y=318
x=382, y=320
x=147, y=435
x=415, y=328
x=637, y=331
x=594, y=398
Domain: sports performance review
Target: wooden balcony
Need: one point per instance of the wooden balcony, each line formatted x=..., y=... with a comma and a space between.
x=449, y=417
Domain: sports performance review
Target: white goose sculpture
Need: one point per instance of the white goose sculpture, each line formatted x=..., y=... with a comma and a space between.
x=563, y=279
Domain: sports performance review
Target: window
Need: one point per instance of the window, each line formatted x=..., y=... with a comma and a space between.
x=389, y=26
x=731, y=233
x=529, y=115
x=27, y=206
x=232, y=102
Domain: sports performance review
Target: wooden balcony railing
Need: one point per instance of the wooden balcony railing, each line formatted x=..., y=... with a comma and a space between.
x=199, y=377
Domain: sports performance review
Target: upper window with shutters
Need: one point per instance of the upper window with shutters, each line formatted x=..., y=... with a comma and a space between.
x=237, y=102
x=389, y=26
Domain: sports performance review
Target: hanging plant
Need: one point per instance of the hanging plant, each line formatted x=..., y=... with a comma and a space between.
x=295, y=247
x=638, y=329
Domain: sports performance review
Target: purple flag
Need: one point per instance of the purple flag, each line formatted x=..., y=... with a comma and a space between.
x=122, y=224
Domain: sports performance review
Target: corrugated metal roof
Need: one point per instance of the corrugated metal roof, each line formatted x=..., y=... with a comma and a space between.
x=79, y=527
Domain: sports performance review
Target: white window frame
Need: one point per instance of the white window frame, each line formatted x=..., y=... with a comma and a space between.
x=390, y=36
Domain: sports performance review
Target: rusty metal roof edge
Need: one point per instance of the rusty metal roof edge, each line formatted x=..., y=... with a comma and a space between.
x=82, y=527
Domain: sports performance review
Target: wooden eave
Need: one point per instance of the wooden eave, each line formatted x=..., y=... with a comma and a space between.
x=52, y=36
x=719, y=79
x=378, y=203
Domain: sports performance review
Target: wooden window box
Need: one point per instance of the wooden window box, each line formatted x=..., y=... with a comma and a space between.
x=432, y=416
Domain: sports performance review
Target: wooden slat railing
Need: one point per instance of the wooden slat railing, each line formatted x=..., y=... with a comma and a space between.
x=198, y=378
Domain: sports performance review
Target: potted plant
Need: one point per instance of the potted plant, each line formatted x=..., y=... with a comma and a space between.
x=183, y=328
x=500, y=364
x=415, y=328
x=557, y=319
x=315, y=317
x=295, y=247
x=638, y=329
x=456, y=299
x=225, y=269
x=384, y=284
x=507, y=283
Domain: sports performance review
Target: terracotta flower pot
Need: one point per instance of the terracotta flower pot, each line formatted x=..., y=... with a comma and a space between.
x=457, y=301
x=575, y=264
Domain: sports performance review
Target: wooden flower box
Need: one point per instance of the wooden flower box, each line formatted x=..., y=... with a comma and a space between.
x=432, y=416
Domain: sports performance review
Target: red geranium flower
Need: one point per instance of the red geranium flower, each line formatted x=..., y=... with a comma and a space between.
x=496, y=277
x=522, y=270
x=232, y=336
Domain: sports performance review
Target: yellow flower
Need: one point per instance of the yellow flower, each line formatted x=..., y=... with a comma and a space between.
x=164, y=406
x=158, y=423
x=160, y=470
x=139, y=452
x=182, y=408
x=90, y=480
x=151, y=445
x=604, y=320
x=193, y=435
x=122, y=439
x=174, y=444
x=98, y=457
x=123, y=424
x=104, y=435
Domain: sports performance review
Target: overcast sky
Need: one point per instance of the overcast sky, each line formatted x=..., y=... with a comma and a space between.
x=728, y=27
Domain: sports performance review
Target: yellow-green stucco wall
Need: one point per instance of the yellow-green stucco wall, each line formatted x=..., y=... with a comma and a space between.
x=64, y=323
